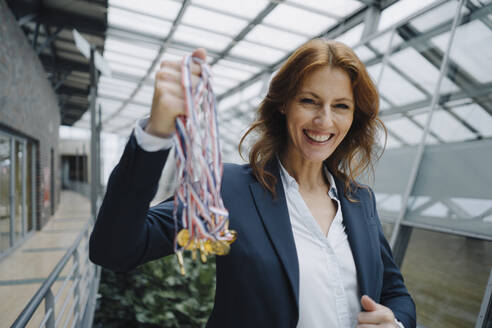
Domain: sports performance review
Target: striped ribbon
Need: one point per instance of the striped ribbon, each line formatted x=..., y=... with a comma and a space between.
x=199, y=164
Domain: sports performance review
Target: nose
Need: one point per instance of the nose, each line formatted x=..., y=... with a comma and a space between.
x=324, y=117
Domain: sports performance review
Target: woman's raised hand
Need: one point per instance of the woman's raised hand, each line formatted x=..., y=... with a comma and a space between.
x=168, y=100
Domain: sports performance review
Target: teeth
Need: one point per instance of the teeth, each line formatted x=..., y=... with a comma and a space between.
x=318, y=137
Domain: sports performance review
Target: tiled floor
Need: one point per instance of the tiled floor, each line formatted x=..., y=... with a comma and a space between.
x=24, y=271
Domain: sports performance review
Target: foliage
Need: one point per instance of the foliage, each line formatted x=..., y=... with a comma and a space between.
x=157, y=295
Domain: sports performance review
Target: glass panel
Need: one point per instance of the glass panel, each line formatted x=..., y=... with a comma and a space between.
x=236, y=65
x=456, y=176
x=123, y=59
x=135, y=111
x=446, y=126
x=335, y=7
x=477, y=117
x=420, y=71
x=275, y=38
x=397, y=89
x=399, y=11
x=200, y=38
x=142, y=50
x=406, y=130
x=394, y=168
x=224, y=82
x=164, y=9
x=132, y=21
x=229, y=102
x=224, y=71
x=219, y=90
x=121, y=121
x=113, y=91
x=435, y=17
x=364, y=53
x=213, y=21
x=144, y=95
x=129, y=69
x=306, y=22
x=252, y=91
x=475, y=36
x=29, y=186
x=446, y=276
x=19, y=160
x=5, y=168
x=248, y=9
x=259, y=53
x=104, y=80
x=352, y=36
x=381, y=44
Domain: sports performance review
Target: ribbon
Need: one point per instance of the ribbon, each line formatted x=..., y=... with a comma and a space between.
x=199, y=166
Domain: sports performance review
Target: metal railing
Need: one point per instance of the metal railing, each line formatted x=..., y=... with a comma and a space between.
x=74, y=301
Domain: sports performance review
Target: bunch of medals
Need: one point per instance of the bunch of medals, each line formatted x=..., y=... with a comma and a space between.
x=204, y=219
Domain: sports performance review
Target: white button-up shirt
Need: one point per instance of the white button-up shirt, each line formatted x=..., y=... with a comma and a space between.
x=328, y=290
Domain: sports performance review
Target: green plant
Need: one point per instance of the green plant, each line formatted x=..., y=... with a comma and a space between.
x=157, y=295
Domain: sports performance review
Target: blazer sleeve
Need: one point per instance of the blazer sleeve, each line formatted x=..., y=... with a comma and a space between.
x=127, y=233
x=394, y=294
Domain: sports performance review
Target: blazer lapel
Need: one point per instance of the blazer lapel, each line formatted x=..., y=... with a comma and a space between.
x=361, y=239
x=275, y=217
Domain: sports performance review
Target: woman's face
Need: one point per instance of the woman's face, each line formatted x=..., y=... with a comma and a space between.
x=320, y=115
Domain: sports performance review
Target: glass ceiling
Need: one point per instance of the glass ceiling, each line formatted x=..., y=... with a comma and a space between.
x=242, y=48
x=247, y=40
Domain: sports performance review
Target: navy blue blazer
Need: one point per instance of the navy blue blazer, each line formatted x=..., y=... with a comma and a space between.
x=258, y=281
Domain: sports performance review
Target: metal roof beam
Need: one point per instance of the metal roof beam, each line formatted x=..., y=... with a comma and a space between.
x=49, y=40
x=483, y=90
x=257, y=20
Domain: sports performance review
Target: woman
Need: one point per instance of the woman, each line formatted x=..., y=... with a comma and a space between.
x=310, y=250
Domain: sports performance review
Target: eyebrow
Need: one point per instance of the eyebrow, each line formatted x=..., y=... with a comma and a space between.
x=338, y=99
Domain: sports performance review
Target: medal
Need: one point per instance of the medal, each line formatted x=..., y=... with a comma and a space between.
x=204, y=218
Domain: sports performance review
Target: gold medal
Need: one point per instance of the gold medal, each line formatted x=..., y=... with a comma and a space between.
x=220, y=247
x=183, y=237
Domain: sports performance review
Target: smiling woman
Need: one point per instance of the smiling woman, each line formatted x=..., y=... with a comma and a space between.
x=310, y=250
x=326, y=86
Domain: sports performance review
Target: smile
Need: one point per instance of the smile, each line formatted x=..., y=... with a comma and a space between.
x=317, y=138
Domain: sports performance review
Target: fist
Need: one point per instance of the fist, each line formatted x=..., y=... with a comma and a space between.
x=376, y=315
x=168, y=100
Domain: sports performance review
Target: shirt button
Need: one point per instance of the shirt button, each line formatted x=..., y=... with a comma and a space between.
x=339, y=291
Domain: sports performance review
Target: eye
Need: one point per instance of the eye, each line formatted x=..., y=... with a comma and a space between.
x=342, y=106
x=307, y=101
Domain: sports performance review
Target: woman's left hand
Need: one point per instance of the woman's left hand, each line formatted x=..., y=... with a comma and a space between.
x=376, y=315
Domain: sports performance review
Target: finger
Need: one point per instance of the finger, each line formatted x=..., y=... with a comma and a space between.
x=171, y=75
x=170, y=87
x=176, y=65
x=200, y=53
x=368, y=326
x=368, y=304
x=375, y=317
x=171, y=101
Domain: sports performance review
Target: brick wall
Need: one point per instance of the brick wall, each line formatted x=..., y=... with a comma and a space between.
x=28, y=104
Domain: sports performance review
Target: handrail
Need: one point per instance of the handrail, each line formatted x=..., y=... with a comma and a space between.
x=44, y=292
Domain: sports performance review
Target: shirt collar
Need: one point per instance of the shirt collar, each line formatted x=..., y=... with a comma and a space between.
x=290, y=182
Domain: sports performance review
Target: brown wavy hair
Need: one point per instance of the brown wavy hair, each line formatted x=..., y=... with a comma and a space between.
x=357, y=151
